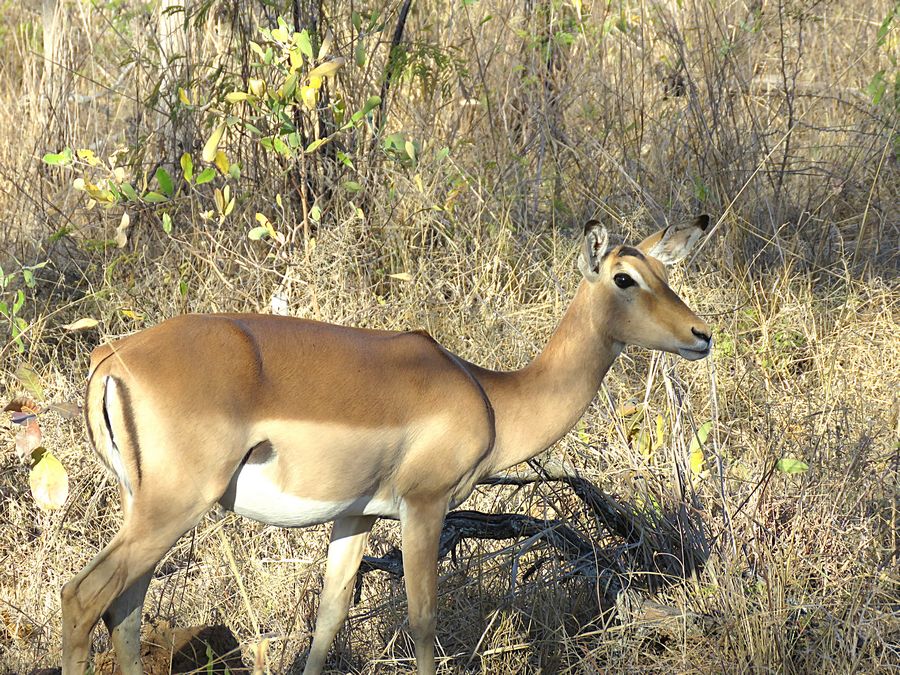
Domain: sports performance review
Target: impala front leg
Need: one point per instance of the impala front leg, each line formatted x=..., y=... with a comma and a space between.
x=348, y=540
x=421, y=522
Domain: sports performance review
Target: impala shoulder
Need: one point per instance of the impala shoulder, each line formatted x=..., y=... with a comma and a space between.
x=477, y=402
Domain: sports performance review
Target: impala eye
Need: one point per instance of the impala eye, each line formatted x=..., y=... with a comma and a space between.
x=623, y=280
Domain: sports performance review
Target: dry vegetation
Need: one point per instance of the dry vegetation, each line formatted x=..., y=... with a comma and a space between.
x=765, y=114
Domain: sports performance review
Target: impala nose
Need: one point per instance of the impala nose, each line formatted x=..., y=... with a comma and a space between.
x=703, y=336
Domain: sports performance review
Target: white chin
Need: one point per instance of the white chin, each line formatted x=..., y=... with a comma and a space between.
x=692, y=354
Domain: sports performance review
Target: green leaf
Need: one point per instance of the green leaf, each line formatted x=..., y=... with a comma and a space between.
x=32, y=383
x=352, y=186
x=187, y=166
x=167, y=223
x=19, y=302
x=791, y=465
x=63, y=158
x=258, y=233
x=360, y=53
x=206, y=175
x=290, y=86
x=876, y=87
x=129, y=192
x=371, y=104
x=302, y=41
x=886, y=26
x=165, y=182
x=345, y=159
x=281, y=147
x=154, y=197
x=316, y=144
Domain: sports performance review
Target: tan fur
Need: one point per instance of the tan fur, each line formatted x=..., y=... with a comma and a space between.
x=356, y=418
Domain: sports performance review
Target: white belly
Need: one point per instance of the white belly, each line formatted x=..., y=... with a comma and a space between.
x=252, y=493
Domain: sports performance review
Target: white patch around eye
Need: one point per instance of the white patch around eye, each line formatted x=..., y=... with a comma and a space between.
x=634, y=274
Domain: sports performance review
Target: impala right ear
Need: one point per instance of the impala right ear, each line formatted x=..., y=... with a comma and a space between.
x=596, y=240
x=673, y=243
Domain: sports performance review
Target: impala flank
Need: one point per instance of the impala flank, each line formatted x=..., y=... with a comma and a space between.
x=293, y=423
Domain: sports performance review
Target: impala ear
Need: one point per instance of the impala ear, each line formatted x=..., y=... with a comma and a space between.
x=596, y=240
x=673, y=243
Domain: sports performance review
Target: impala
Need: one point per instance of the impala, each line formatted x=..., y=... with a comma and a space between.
x=293, y=423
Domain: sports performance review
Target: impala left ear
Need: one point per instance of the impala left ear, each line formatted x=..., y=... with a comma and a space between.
x=673, y=243
x=596, y=240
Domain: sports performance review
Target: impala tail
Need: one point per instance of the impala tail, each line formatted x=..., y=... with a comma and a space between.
x=111, y=427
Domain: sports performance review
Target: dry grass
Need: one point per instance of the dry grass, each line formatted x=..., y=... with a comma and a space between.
x=758, y=116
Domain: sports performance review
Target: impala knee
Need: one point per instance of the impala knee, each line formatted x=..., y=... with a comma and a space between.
x=422, y=626
x=68, y=596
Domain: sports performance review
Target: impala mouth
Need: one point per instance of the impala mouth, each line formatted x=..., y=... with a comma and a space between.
x=694, y=354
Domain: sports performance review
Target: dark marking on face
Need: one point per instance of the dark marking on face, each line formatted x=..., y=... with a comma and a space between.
x=633, y=252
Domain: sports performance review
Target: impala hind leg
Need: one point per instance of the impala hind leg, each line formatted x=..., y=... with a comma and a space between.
x=123, y=621
x=421, y=524
x=112, y=582
x=348, y=540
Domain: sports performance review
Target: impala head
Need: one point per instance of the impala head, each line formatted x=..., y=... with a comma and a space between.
x=631, y=285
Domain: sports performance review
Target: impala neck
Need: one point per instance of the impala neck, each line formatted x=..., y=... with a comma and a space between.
x=536, y=406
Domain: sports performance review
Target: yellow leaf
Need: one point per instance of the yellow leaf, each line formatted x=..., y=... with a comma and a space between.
x=88, y=156
x=219, y=200
x=326, y=44
x=48, y=480
x=296, y=59
x=212, y=145
x=695, y=453
x=315, y=82
x=328, y=68
x=121, y=230
x=221, y=161
x=183, y=96
x=238, y=96
x=644, y=445
x=81, y=324
x=696, y=461
x=309, y=95
x=660, y=431
x=257, y=87
x=402, y=276
x=628, y=408
x=131, y=314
